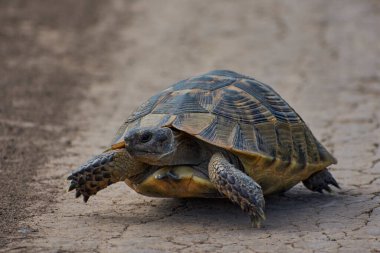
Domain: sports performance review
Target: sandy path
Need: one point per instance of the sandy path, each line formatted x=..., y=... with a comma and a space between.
x=50, y=54
x=321, y=56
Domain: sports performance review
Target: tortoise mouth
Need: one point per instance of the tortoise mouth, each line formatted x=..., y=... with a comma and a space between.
x=123, y=145
x=118, y=145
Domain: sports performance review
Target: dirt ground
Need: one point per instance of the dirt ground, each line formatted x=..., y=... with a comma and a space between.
x=72, y=71
x=48, y=61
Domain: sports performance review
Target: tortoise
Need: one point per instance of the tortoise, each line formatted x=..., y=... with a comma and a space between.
x=221, y=134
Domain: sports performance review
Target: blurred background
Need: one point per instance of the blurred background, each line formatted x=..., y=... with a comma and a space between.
x=72, y=71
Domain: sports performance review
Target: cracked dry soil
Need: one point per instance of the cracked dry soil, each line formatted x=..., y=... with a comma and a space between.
x=90, y=65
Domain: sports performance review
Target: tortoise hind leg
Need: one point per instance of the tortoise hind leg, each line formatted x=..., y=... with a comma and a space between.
x=238, y=187
x=320, y=181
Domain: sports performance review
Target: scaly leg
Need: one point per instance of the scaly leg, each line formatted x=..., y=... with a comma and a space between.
x=320, y=181
x=98, y=173
x=238, y=187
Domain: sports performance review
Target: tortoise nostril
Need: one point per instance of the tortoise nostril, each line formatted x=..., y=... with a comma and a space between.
x=162, y=138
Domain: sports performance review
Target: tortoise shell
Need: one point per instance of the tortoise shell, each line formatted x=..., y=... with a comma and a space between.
x=236, y=113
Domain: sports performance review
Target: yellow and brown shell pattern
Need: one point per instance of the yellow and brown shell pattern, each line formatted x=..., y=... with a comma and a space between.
x=243, y=116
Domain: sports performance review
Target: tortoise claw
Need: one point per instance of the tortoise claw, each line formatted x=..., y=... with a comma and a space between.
x=333, y=182
x=85, y=198
x=78, y=194
x=327, y=188
x=73, y=185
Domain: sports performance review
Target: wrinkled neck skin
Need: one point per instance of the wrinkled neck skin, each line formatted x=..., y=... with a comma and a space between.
x=125, y=166
x=184, y=150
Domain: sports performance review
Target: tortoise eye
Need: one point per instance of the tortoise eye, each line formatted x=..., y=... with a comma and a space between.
x=145, y=137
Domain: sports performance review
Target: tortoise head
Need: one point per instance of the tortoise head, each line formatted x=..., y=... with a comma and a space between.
x=162, y=146
x=150, y=144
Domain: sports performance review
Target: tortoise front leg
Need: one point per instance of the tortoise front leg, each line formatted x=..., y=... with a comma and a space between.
x=99, y=172
x=238, y=187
